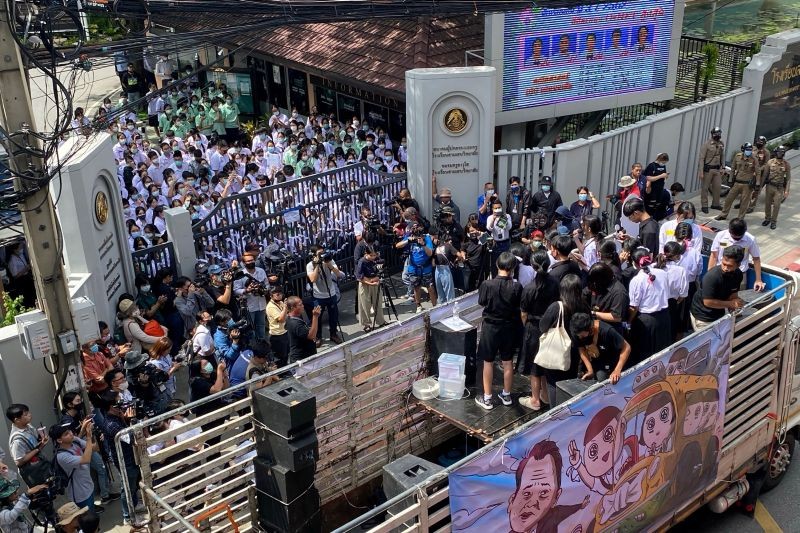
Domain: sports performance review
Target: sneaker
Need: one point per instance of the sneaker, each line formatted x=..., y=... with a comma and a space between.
x=419, y=309
x=773, y=225
x=140, y=508
x=483, y=402
x=114, y=496
x=505, y=398
x=318, y=343
x=765, y=222
x=527, y=401
x=410, y=298
x=99, y=509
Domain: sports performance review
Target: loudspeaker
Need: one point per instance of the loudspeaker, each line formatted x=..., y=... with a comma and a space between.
x=286, y=407
x=280, y=482
x=444, y=340
x=571, y=387
x=293, y=454
x=302, y=514
x=406, y=472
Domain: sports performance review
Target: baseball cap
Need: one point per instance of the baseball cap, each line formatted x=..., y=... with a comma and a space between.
x=446, y=192
x=563, y=212
x=214, y=269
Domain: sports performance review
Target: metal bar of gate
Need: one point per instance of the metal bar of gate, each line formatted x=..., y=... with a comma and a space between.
x=175, y=514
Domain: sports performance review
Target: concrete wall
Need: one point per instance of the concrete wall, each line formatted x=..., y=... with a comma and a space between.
x=600, y=160
x=94, y=244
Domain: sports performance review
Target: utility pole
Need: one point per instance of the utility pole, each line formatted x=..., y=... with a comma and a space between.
x=38, y=211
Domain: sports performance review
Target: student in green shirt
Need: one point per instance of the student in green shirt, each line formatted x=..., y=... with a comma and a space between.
x=204, y=122
x=181, y=126
x=230, y=112
x=165, y=118
x=215, y=113
x=290, y=154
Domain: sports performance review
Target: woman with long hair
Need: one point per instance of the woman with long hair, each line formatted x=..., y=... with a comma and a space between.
x=593, y=236
x=571, y=299
x=537, y=296
x=669, y=261
x=607, y=296
x=161, y=359
x=692, y=261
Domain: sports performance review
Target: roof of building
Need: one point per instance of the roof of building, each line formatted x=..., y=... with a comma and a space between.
x=375, y=52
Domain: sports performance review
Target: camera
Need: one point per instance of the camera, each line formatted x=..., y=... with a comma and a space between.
x=372, y=223
x=417, y=231
x=242, y=325
x=227, y=276
x=324, y=257
x=393, y=200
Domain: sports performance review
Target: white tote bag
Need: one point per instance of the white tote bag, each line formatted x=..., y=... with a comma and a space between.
x=555, y=345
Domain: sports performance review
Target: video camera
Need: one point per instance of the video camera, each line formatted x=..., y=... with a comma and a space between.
x=324, y=257
x=391, y=201
x=373, y=223
x=141, y=412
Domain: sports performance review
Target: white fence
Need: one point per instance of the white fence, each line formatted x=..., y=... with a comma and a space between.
x=600, y=160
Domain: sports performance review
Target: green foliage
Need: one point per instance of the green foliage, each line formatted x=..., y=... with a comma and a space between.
x=709, y=68
x=13, y=307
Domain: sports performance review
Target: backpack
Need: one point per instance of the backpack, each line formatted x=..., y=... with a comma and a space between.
x=59, y=480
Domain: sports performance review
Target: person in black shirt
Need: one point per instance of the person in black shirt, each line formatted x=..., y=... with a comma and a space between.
x=603, y=350
x=500, y=298
x=562, y=265
x=205, y=381
x=370, y=306
x=655, y=196
x=476, y=257
x=719, y=291
x=536, y=298
x=571, y=296
x=607, y=297
x=648, y=227
x=301, y=336
x=518, y=203
x=607, y=251
x=221, y=292
x=546, y=200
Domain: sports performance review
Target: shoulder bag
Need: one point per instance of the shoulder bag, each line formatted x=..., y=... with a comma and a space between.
x=555, y=346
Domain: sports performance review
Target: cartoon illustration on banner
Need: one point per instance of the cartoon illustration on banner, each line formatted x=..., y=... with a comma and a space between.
x=619, y=464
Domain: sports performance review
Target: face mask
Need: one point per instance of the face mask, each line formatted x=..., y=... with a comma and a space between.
x=168, y=111
x=154, y=162
x=382, y=146
x=370, y=158
x=182, y=190
x=583, y=197
x=498, y=212
x=195, y=216
x=105, y=338
x=123, y=385
x=250, y=265
x=716, y=137
x=136, y=234
x=545, y=188
x=293, y=146
x=294, y=129
x=351, y=161
x=748, y=153
x=515, y=188
x=145, y=288
x=179, y=164
x=369, y=143
x=389, y=157
x=94, y=348
x=130, y=127
x=228, y=101
x=149, y=236
x=190, y=183
x=204, y=188
x=536, y=244
x=304, y=158
x=347, y=146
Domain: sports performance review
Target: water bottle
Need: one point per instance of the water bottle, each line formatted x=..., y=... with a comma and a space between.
x=456, y=309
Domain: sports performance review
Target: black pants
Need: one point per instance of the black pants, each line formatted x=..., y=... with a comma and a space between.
x=650, y=333
x=280, y=349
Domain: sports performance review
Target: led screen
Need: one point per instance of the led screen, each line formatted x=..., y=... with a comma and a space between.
x=570, y=54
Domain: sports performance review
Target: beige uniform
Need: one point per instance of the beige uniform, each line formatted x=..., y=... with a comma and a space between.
x=762, y=155
x=777, y=178
x=746, y=172
x=712, y=157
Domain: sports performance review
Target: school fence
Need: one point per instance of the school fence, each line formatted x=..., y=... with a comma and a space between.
x=151, y=260
x=600, y=160
x=364, y=421
x=287, y=218
x=762, y=362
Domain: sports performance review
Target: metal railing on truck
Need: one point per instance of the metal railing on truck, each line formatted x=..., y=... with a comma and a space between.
x=754, y=388
x=364, y=421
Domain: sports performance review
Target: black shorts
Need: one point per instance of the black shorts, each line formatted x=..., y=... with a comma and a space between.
x=152, y=120
x=498, y=338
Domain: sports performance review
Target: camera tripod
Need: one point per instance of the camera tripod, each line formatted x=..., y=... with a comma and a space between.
x=383, y=286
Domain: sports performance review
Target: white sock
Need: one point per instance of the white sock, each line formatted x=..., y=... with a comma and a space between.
x=487, y=397
x=506, y=393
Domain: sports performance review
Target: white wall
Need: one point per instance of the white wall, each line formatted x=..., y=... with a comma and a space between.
x=601, y=160
x=91, y=246
x=23, y=381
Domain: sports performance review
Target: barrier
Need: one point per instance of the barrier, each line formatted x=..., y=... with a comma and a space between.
x=151, y=260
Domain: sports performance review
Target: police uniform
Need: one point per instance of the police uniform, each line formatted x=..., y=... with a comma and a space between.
x=711, y=159
x=776, y=180
x=746, y=173
x=762, y=155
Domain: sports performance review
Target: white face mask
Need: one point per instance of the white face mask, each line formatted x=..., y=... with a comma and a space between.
x=123, y=385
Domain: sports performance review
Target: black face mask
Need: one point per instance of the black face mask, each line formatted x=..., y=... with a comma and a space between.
x=250, y=266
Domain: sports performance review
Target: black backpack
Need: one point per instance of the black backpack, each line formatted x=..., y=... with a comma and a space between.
x=59, y=481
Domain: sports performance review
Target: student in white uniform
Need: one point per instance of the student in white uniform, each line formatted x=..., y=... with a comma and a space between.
x=685, y=212
x=678, y=280
x=649, y=312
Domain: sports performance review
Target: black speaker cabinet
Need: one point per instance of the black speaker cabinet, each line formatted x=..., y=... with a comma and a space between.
x=286, y=407
x=302, y=514
x=280, y=482
x=571, y=387
x=293, y=454
x=444, y=340
x=406, y=472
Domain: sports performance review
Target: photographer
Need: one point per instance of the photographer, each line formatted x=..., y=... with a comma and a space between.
x=118, y=413
x=190, y=300
x=301, y=335
x=485, y=202
x=13, y=505
x=518, y=203
x=367, y=223
x=26, y=443
x=448, y=230
x=74, y=455
x=475, y=255
x=220, y=288
x=227, y=337
x=368, y=241
x=419, y=268
x=276, y=317
x=148, y=382
x=324, y=276
x=162, y=360
x=253, y=286
x=443, y=198
x=403, y=201
x=445, y=258
x=370, y=307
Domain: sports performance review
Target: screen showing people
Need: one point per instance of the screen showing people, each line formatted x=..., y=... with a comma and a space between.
x=560, y=55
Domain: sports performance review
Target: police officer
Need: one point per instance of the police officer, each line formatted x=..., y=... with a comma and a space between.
x=762, y=155
x=746, y=174
x=712, y=157
x=777, y=178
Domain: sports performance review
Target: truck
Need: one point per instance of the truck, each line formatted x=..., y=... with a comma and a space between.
x=366, y=418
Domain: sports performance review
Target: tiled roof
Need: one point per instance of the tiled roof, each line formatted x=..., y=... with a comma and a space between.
x=375, y=52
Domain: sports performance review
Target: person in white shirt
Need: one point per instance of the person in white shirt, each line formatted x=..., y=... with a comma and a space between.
x=649, y=313
x=120, y=148
x=499, y=226
x=203, y=340
x=592, y=237
x=678, y=285
x=277, y=120
x=525, y=272
x=685, y=212
x=737, y=234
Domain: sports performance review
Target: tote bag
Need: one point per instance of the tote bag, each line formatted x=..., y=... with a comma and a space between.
x=555, y=346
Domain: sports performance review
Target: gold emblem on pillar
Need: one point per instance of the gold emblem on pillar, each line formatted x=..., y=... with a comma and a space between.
x=101, y=207
x=455, y=120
